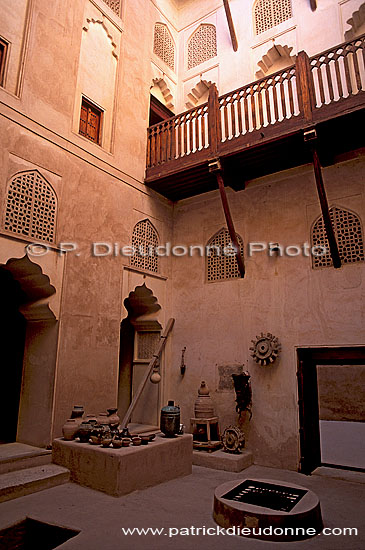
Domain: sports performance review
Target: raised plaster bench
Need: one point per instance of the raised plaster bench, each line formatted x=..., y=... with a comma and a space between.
x=121, y=471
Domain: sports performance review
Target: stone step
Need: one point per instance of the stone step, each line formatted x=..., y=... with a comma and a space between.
x=17, y=456
x=219, y=460
x=30, y=480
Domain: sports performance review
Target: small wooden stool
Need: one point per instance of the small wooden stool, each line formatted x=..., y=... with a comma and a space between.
x=211, y=426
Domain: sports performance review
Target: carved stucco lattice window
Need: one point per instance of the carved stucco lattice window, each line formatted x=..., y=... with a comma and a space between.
x=269, y=13
x=221, y=266
x=31, y=207
x=114, y=5
x=147, y=342
x=144, y=242
x=202, y=45
x=348, y=231
x=163, y=45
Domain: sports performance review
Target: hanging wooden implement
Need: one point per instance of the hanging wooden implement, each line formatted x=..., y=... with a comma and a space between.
x=313, y=4
x=232, y=31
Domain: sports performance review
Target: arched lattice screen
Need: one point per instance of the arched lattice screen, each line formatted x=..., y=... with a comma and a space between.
x=221, y=263
x=31, y=207
x=115, y=5
x=163, y=45
x=349, y=237
x=268, y=13
x=144, y=242
x=202, y=45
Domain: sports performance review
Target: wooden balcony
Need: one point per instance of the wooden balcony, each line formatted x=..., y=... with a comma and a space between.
x=258, y=129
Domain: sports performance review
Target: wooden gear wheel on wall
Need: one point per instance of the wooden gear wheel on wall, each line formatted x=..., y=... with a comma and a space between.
x=233, y=439
x=265, y=348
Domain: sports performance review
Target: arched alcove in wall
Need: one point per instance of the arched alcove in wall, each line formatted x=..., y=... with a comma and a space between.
x=28, y=336
x=162, y=92
x=139, y=337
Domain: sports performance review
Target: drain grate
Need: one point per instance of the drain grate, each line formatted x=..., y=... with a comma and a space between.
x=267, y=495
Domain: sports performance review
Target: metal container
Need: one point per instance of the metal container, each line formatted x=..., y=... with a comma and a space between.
x=170, y=420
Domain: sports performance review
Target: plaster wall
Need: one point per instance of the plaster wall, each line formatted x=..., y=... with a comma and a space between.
x=12, y=30
x=281, y=295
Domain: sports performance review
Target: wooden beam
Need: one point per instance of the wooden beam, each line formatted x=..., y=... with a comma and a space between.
x=232, y=31
x=149, y=370
x=306, y=91
x=216, y=169
x=313, y=4
x=214, y=121
x=335, y=255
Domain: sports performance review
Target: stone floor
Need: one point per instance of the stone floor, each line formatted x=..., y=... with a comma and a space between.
x=183, y=503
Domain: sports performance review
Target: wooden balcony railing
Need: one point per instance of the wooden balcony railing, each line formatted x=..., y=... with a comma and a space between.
x=312, y=90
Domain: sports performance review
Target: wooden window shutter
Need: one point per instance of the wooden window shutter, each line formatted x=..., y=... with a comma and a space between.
x=90, y=118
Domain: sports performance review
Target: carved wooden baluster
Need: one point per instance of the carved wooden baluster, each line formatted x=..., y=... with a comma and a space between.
x=291, y=94
x=329, y=79
x=338, y=77
x=233, y=117
x=259, y=103
x=239, y=114
x=245, y=105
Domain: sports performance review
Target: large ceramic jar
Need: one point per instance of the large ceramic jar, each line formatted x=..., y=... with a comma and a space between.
x=170, y=419
x=103, y=419
x=70, y=429
x=203, y=407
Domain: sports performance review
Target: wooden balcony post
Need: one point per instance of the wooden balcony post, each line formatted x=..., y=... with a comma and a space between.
x=305, y=86
x=214, y=121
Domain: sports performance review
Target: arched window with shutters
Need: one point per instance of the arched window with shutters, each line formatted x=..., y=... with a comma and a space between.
x=144, y=243
x=163, y=45
x=31, y=207
x=221, y=263
x=269, y=13
x=202, y=45
x=349, y=236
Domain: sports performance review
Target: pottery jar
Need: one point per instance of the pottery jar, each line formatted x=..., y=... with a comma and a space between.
x=70, y=429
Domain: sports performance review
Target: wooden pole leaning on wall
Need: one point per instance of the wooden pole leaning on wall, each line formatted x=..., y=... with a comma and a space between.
x=215, y=168
x=232, y=31
x=311, y=137
x=151, y=365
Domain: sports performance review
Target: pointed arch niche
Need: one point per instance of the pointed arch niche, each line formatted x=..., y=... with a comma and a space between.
x=139, y=338
x=29, y=344
x=97, y=72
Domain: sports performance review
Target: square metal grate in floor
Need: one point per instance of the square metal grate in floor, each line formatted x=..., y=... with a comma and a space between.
x=267, y=495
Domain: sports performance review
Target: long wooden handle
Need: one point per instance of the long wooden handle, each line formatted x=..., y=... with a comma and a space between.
x=151, y=364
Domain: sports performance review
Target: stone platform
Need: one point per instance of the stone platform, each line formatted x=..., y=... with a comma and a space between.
x=120, y=471
x=219, y=460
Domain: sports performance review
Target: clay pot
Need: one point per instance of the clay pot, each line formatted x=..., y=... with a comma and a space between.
x=126, y=441
x=105, y=442
x=77, y=412
x=152, y=437
x=91, y=418
x=103, y=419
x=145, y=439
x=70, y=429
x=136, y=441
x=95, y=440
x=203, y=407
x=117, y=443
x=84, y=432
x=113, y=418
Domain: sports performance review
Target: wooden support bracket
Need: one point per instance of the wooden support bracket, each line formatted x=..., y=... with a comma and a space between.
x=216, y=168
x=232, y=31
x=311, y=137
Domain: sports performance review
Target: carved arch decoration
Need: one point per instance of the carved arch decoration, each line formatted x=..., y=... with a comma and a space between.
x=275, y=59
x=357, y=23
x=163, y=86
x=198, y=94
x=35, y=286
x=104, y=25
